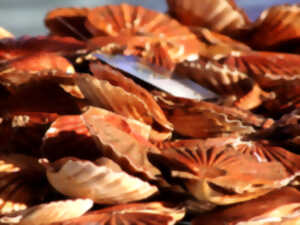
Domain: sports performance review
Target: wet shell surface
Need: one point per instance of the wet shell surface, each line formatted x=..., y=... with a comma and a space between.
x=102, y=181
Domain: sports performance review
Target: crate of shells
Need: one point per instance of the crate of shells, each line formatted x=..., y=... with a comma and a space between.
x=84, y=141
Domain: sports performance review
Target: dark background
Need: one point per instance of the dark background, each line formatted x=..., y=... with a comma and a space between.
x=26, y=16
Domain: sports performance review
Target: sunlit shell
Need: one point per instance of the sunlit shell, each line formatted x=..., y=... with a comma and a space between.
x=102, y=181
x=275, y=28
x=22, y=182
x=225, y=79
x=152, y=213
x=221, y=174
x=217, y=42
x=128, y=20
x=115, y=92
x=68, y=136
x=218, y=15
x=49, y=213
x=212, y=120
x=263, y=151
x=68, y=22
x=279, y=207
x=5, y=33
x=38, y=62
x=127, y=148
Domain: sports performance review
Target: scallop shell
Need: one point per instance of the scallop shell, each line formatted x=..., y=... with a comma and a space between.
x=13, y=48
x=49, y=213
x=279, y=207
x=140, y=213
x=68, y=22
x=41, y=61
x=115, y=92
x=103, y=181
x=128, y=149
x=129, y=21
x=218, y=42
x=221, y=175
x=212, y=119
x=275, y=28
x=22, y=182
x=68, y=136
x=218, y=15
x=265, y=151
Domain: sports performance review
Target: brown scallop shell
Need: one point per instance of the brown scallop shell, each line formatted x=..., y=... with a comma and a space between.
x=218, y=15
x=225, y=78
x=112, y=90
x=68, y=136
x=76, y=178
x=128, y=20
x=5, y=33
x=13, y=48
x=221, y=175
x=124, y=146
x=217, y=42
x=68, y=22
x=279, y=207
x=49, y=212
x=152, y=213
x=212, y=120
x=277, y=28
x=264, y=151
x=22, y=182
x=41, y=61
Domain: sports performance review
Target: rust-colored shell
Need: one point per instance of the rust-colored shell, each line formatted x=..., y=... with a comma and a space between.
x=279, y=207
x=68, y=22
x=277, y=28
x=112, y=90
x=221, y=174
x=152, y=213
x=127, y=21
x=127, y=148
x=76, y=178
x=218, y=15
x=200, y=119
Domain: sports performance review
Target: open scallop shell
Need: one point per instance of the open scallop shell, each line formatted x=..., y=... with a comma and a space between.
x=68, y=22
x=49, y=212
x=264, y=151
x=275, y=28
x=124, y=146
x=212, y=120
x=121, y=21
x=113, y=91
x=152, y=213
x=22, y=182
x=103, y=181
x=218, y=15
x=279, y=207
x=221, y=175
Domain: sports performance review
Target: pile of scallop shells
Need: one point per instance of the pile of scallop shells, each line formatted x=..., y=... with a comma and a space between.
x=83, y=143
